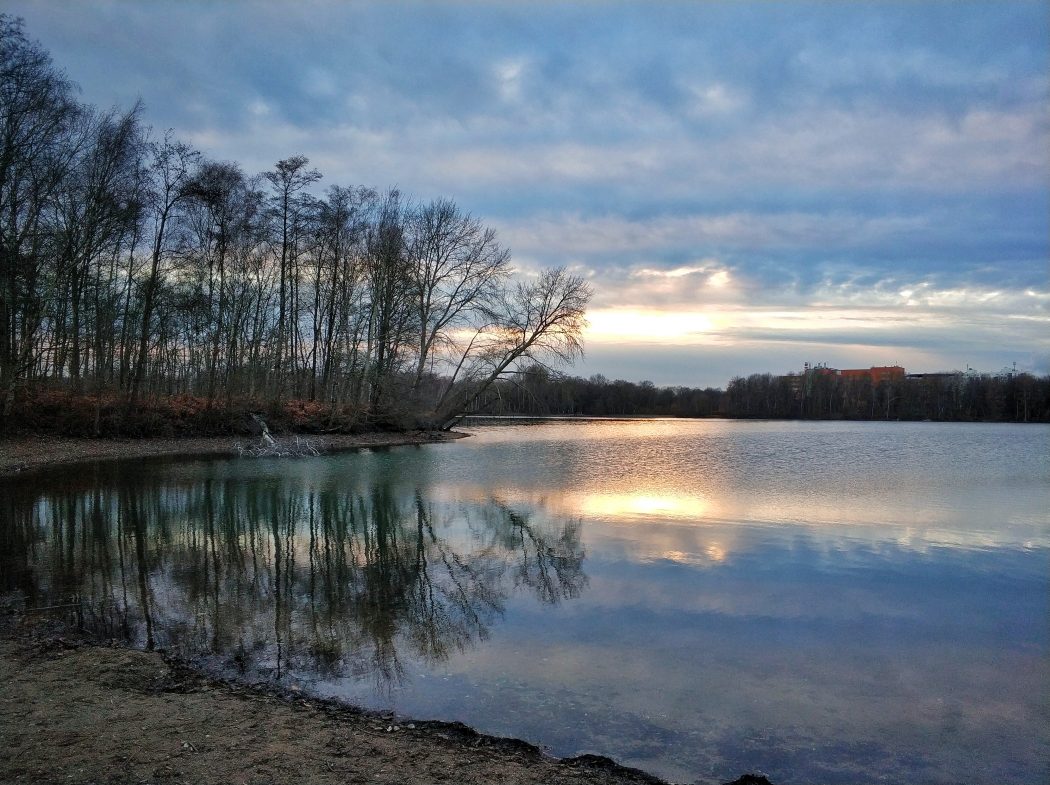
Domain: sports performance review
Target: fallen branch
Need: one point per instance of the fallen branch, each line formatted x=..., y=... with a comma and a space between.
x=269, y=447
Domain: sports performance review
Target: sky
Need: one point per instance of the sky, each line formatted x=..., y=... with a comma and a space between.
x=747, y=186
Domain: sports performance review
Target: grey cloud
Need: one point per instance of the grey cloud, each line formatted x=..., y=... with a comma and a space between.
x=840, y=150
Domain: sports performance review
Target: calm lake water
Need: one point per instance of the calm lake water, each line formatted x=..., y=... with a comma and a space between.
x=833, y=602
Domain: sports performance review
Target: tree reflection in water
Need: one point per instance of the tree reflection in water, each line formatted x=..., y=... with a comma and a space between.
x=272, y=577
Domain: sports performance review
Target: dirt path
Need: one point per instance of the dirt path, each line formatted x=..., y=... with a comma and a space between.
x=22, y=453
x=77, y=713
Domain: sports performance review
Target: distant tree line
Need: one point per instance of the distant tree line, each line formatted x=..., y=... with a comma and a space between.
x=133, y=268
x=1018, y=397
x=536, y=391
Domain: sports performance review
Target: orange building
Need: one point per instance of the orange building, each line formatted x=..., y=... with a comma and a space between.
x=876, y=374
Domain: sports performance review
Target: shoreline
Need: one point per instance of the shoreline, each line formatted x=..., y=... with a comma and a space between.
x=76, y=710
x=24, y=453
x=64, y=695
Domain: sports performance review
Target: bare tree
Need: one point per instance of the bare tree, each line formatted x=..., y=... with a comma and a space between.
x=338, y=288
x=171, y=172
x=37, y=120
x=139, y=267
x=457, y=271
x=95, y=213
x=289, y=177
x=387, y=274
x=540, y=321
x=218, y=193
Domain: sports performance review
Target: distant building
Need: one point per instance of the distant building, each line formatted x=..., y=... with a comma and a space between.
x=876, y=374
x=801, y=383
x=1007, y=373
x=956, y=377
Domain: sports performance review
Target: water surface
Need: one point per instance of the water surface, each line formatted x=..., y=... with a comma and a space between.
x=820, y=601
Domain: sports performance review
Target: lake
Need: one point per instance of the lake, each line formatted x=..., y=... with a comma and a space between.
x=830, y=602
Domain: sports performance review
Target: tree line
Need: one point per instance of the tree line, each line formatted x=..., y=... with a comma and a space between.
x=1018, y=397
x=134, y=268
x=536, y=391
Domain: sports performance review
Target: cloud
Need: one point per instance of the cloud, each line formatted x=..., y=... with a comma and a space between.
x=584, y=236
x=678, y=272
x=879, y=172
x=527, y=102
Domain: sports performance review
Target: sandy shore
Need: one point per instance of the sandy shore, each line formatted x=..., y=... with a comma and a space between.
x=71, y=712
x=23, y=453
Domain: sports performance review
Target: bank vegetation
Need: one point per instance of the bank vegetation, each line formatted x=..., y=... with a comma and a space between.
x=143, y=285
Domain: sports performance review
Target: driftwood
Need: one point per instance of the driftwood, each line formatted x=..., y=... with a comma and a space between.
x=269, y=447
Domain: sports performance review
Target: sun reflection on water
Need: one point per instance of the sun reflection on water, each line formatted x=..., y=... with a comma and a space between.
x=712, y=553
x=644, y=504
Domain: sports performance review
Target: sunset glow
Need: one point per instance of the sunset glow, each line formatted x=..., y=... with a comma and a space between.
x=648, y=326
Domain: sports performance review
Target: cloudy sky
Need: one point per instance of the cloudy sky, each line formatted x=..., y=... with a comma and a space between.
x=748, y=186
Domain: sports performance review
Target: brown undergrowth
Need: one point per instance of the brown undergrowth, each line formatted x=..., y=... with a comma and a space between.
x=63, y=413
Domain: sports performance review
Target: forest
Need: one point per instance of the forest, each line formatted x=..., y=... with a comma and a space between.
x=145, y=286
x=1017, y=397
